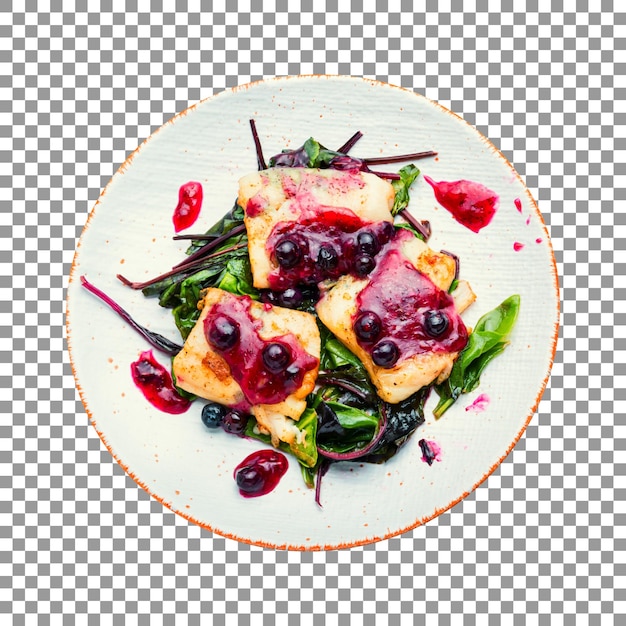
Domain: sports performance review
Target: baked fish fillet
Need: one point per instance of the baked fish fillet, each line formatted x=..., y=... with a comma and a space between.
x=200, y=370
x=337, y=309
x=284, y=194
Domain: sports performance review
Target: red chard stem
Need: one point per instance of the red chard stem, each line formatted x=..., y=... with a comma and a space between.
x=155, y=339
x=257, y=144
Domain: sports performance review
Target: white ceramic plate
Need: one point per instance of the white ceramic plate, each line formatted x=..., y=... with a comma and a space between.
x=189, y=468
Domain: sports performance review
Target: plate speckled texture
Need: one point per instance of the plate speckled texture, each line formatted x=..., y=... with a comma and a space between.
x=541, y=541
x=130, y=231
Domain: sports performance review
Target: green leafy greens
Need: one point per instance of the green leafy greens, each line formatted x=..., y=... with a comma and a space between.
x=344, y=418
x=408, y=175
x=220, y=260
x=304, y=450
x=488, y=339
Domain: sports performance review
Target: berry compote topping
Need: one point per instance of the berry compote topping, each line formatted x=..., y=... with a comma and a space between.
x=266, y=371
x=402, y=313
x=328, y=245
x=471, y=204
x=155, y=383
x=260, y=472
x=293, y=297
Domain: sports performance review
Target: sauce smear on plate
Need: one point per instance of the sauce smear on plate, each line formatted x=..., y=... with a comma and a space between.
x=260, y=472
x=189, y=205
x=430, y=451
x=156, y=384
x=471, y=204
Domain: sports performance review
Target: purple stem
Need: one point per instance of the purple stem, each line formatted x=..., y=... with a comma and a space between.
x=457, y=263
x=198, y=237
x=158, y=341
x=399, y=157
x=361, y=452
x=209, y=247
x=257, y=144
x=329, y=379
x=321, y=472
x=421, y=227
x=350, y=143
x=188, y=266
x=387, y=175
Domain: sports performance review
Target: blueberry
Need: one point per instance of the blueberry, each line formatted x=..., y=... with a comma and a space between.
x=364, y=264
x=435, y=323
x=250, y=480
x=385, y=354
x=367, y=326
x=290, y=298
x=234, y=422
x=212, y=414
x=223, y=333
x=327, y=258
x=367, y=243
x=270, y=297
x=288, y=253
x=276, y=357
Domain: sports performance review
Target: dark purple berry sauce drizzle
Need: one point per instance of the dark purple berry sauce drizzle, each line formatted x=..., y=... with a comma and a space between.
x=326, y=246
x=266, y=371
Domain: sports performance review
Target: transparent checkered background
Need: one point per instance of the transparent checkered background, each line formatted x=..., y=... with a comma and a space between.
x=83, y=83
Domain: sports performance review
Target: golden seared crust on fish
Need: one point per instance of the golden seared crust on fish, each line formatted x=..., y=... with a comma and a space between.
x=201, y=370
x=285, y=194
x=440, y=268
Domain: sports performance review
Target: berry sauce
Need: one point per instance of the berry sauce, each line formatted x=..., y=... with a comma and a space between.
x=471, y=204
x=155, y=383
x=325, y=239
x=329, y=245
x=189, y=205
x=260, y=367
x=260, y=472
x=408, y=310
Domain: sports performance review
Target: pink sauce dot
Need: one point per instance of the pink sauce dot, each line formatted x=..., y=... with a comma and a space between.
x=538, y=240
x=479, y=405
x=517, y=246
x=518, y=204
x=528, y=220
